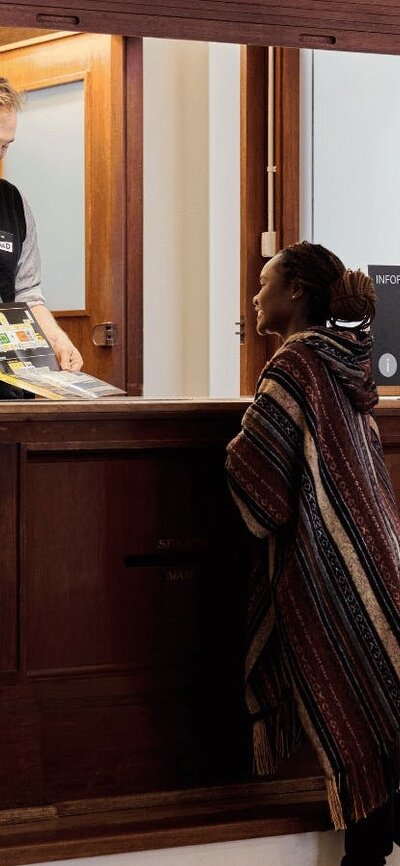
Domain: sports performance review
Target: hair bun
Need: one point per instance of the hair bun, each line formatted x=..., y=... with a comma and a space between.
x=353, y=298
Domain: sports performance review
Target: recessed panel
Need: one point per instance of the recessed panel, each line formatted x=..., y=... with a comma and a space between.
x=46, y=163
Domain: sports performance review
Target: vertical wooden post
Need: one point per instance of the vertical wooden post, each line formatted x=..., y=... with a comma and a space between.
x=256, y=350
x=134, y=215
x=253, y=206
x=287, y=158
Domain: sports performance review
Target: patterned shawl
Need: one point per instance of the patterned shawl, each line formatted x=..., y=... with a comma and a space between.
x=308, y=474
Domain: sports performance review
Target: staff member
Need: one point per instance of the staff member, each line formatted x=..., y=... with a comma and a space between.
x=19, y=255
x=308, y=474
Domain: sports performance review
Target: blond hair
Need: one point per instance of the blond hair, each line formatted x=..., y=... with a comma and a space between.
x=10, y=99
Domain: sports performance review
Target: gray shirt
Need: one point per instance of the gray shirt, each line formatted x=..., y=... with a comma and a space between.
x=28, y=276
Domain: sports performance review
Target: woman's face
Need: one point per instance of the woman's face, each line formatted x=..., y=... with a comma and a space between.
x=273, y=304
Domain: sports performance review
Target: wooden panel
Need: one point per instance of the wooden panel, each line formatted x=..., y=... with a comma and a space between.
x=392, y=459
x=253, y=193
x=356, y=26
x=21, y=780
x=387, y=414
x=254, y=126
x=99, y=63
x=117, y=736
x=11, y=35
x=116, y=547
x=287, y=122
x=134, y=216
x=8, y=558
x=129, y=566
x=108, y=826
x=153, y=705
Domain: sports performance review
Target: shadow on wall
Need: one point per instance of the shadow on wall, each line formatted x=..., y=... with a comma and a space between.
x=330, y=851
x=330, y=848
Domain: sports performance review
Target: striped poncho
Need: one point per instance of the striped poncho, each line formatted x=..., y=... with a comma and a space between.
x=308, y=474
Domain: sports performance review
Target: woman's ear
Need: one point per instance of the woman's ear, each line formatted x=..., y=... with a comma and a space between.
x=297, y=291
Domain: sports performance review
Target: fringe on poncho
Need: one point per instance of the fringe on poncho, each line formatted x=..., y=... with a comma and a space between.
x=308, y=474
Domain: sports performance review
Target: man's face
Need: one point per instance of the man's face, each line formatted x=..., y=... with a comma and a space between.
x=8, y=128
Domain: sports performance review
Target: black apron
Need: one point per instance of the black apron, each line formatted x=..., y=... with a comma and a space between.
x=12, y=236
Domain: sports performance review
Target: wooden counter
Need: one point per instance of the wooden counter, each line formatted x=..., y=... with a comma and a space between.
x=122, y=599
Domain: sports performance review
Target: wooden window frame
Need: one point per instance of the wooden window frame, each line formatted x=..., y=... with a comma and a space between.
x=255, y=351
x=134, y=215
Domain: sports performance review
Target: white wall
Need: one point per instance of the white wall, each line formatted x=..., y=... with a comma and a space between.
x=308, y=849
x=163, y=222
x=224, y=218
x=191, y=218
x=350, y=148
x=193, y=95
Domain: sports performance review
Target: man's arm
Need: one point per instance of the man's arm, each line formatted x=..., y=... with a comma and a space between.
x=27, y=289
x=66, y=353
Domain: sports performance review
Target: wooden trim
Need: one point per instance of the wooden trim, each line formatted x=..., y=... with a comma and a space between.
x=134, y=215
x=60, y=313
x=389, y=390
x=48, y=36
x=287, y=148
x=97, y=62
x=64, y=78
x=353, y=26
x=116, y=171
x=149, y=821
x=253, y=207
x=254, y=124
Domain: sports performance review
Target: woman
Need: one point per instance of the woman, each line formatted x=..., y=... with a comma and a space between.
x=308, y=474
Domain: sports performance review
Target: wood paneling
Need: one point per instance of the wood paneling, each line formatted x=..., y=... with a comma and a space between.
x=287, y=156
x=97, y=61
x=132, y=574
x=21, y=757
x=12, y=35
x=8, y=558
x=354, y=26
x=132, y=601
x=124, y=564
x=134, y=216
x=253, y=192
x=256, y=350
x=128, y=538
x=387, y=416
x=124, y=824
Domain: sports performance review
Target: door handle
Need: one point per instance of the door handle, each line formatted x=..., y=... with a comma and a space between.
x=105, y=334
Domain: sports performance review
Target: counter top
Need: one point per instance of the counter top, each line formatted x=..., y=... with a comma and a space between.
x=18, y=410
x=14, y=410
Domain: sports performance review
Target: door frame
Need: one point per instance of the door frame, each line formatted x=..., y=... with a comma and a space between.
x=256, y=350
x=134, y=214
x=99, y=62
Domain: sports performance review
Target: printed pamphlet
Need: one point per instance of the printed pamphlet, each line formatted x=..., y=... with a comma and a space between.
x=27, y=361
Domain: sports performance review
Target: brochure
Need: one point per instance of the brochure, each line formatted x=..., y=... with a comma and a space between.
x=27, y=361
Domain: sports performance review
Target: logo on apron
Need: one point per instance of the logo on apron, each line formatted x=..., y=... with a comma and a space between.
x=6, y=242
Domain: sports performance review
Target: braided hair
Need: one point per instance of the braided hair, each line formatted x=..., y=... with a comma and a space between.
x=335, y=294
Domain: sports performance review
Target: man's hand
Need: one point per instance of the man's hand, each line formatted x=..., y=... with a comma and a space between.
x=67, y=355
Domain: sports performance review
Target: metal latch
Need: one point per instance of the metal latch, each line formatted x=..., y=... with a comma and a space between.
x=105, y=334
x=242, y=329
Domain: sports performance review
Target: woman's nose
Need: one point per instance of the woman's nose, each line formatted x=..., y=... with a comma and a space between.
x=255, y=301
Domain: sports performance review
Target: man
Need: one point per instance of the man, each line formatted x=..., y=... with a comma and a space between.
x=19, y=255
